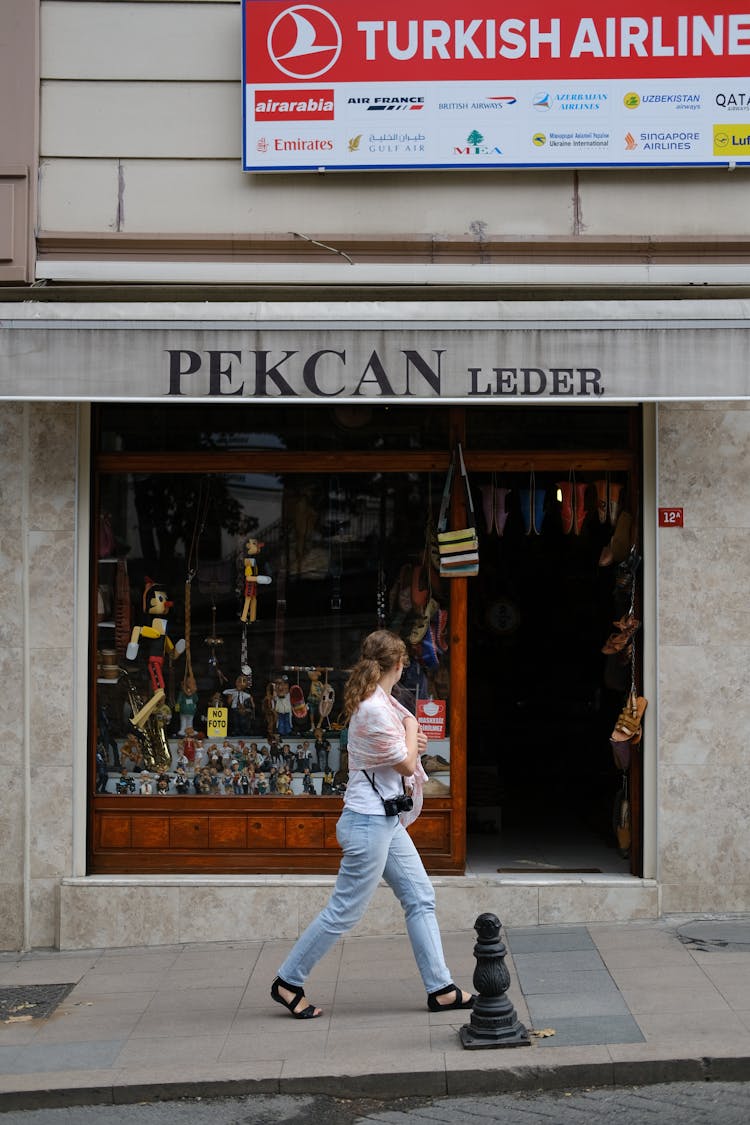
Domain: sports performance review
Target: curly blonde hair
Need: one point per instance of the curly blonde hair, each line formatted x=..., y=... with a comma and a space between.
x=381, y=651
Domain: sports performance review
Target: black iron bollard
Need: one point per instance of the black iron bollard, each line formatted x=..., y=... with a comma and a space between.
x=494, y=1022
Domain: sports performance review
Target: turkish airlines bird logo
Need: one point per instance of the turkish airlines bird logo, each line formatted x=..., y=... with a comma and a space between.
x=304, y=41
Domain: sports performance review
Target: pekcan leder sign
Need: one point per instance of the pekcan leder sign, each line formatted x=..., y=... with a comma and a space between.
x=433, y=363
x=423, y=84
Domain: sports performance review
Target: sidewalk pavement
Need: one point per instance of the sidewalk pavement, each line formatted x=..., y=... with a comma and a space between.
x=629, y=1004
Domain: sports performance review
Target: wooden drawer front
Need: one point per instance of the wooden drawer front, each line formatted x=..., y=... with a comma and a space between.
x=330, y=832
x=266, y=832
x=304, y=832
x=227, y=832
x=114, y=831
x=431, y=831
x=189, y=832
x=151, y=831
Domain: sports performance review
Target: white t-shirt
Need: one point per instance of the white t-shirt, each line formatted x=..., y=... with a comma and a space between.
x=375, y=715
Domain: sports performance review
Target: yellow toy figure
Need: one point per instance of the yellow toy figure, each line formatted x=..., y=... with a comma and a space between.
x=156, y=606
x=252, y=580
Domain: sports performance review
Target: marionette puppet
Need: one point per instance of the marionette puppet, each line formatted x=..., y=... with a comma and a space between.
x=252, y=580
x=283, y=707
x=241, y=705
x=187, y=703
x=156, y=606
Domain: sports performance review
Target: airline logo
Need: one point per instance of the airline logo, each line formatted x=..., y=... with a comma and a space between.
x=304, y=41
x=732, y=140
x=294, y=105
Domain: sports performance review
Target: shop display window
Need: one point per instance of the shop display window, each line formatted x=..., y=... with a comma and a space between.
x=229, y=608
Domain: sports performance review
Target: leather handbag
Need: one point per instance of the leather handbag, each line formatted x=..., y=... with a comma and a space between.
x=459, y=548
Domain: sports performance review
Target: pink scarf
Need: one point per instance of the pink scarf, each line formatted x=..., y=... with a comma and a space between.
x=377, y=738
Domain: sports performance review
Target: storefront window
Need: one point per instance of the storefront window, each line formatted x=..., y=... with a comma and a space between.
x=187, y=427
x=230, y=607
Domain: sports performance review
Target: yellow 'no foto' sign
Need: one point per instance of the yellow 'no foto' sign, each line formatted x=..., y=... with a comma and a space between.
x=216, y=722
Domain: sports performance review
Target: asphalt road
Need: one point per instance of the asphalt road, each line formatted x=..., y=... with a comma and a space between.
x=679, y=1103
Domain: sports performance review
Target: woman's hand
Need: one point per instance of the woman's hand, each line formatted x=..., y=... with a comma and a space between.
x=409, y=764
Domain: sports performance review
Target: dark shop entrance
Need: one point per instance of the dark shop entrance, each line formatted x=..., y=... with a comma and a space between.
x=553, y=643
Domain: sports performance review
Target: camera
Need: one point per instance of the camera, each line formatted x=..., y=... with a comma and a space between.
x=395, y=805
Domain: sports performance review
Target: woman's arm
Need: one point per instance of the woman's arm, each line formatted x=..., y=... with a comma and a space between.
x=409, y=764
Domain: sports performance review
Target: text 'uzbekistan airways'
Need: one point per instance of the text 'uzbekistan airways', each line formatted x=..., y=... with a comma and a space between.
x=680, y=36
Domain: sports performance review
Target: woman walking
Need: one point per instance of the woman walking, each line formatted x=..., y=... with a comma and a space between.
x=385, y=742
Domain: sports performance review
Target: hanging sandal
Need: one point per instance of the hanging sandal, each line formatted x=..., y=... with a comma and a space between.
x=308, y=1013
x=457, y=1002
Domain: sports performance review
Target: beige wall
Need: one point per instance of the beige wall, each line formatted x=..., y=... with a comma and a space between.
x=37, y=584
x=141, y=132
x=19, y=101
x=704, y=646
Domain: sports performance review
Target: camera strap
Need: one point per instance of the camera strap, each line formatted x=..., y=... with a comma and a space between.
x=372, y=783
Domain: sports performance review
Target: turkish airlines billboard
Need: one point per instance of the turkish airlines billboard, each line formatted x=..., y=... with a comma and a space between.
x=339, y=85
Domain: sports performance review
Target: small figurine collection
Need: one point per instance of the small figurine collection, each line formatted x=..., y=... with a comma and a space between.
x=238, y=769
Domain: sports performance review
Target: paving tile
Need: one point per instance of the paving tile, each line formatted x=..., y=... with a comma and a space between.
x=160, y=1051
x=67, y=1056
x=50, y=972
x=578, y=983
x=593, y=1030
x=569, y=961
x=544, y=942
x=13, y=1034
x=674, y=1001
x=182, y=1025
x=660, y=976
x=684, y=1027
x=650, y=957
x=251, y=1046
x=97, y=983
x=76, y=1029
x=8, y=1056
x=196, y=1000
x=544, y=1008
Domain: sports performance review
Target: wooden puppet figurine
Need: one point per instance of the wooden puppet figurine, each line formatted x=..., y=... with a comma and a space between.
x=156, y=606
x=252, y=580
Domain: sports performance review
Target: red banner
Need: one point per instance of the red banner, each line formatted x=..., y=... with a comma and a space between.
x=424, y=40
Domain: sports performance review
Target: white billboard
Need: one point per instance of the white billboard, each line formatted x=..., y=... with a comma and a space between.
x=340, y=86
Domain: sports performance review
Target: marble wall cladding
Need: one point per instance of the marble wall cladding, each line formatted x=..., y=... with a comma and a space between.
x=51, y=819
x=11, y=915
x=50, y=707
x=704, y=653
x=52, y=466
x=11, y=589
x=597, y=902
x=248, y=913
x=45, y=913
x=38, y=466
x=11, y=465
x=102, y=916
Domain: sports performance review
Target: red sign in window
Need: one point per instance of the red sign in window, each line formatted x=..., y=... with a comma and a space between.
x=431, y=714
x=670, y=517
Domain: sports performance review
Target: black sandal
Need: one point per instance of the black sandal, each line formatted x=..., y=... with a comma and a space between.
x=308, y=1013
x=435, y=1006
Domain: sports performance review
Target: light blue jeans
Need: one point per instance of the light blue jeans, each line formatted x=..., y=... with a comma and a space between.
x=374, y=847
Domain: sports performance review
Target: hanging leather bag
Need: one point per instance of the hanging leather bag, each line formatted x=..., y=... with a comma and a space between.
x=459, y=549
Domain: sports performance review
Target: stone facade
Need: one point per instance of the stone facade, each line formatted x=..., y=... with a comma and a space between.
x=38, y=480
x=701, y=703
x=704, y=706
